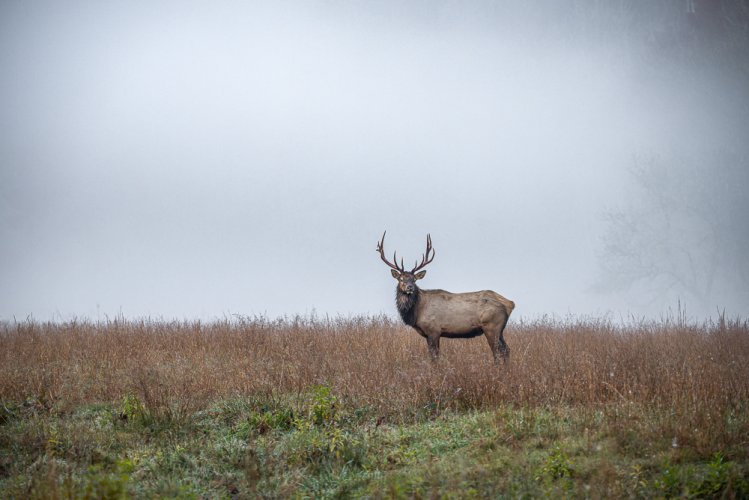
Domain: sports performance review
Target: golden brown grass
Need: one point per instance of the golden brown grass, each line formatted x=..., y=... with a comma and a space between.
x=697, y=370
x=296, y=406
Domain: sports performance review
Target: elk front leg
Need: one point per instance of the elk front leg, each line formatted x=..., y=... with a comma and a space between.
x=433, y=341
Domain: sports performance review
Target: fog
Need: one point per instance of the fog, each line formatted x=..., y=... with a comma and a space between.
x=209, y=159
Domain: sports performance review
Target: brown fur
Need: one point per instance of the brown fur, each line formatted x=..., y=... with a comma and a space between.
x=437, y=313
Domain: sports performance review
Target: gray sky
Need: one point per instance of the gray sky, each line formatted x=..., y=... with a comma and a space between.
x=195, y=160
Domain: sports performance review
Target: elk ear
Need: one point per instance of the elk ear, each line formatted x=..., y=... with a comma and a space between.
x=420, y=275
x=395, y=274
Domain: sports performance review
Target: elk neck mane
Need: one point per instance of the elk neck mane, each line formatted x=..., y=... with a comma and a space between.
x=406, y=305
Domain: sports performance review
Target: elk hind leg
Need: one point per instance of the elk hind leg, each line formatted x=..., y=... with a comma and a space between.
x=491, y=334
x=495, y=336
x=504, y=350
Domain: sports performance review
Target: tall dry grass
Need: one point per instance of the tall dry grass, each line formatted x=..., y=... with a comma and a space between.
x=701, y=371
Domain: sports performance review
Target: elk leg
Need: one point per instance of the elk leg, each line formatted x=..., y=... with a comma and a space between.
x=503, y=349
x=433, y=341
x=495, y=336
x=490, y=332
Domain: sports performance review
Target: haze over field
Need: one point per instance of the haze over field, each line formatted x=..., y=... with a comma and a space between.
x=196, y=160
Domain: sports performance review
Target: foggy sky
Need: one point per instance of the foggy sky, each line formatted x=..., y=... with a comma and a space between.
x=198, y=160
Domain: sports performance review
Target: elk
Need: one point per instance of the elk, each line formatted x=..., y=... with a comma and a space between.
x=437, y=313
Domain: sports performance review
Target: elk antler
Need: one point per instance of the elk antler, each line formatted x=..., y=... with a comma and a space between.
x=425, y=259
x=395, y=259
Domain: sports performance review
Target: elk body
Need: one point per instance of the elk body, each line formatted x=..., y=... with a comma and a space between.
x=437, y=313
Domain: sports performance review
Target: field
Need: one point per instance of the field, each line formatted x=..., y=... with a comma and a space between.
x=350, y=407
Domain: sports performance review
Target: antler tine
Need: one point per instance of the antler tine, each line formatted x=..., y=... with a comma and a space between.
x=425, y=259
x=381, y=249
x=395, y=261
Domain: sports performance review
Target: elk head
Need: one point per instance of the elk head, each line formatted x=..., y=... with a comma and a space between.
x=407, y=279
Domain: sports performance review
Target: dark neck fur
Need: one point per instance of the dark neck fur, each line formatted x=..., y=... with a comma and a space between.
x=406, y=305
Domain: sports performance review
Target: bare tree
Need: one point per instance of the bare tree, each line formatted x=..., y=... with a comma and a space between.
x=682, y=234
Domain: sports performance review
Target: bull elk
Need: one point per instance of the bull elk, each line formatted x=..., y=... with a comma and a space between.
x=437, y=313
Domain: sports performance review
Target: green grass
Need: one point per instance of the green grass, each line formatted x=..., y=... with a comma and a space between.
x=353, y=408
x=315, y=445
